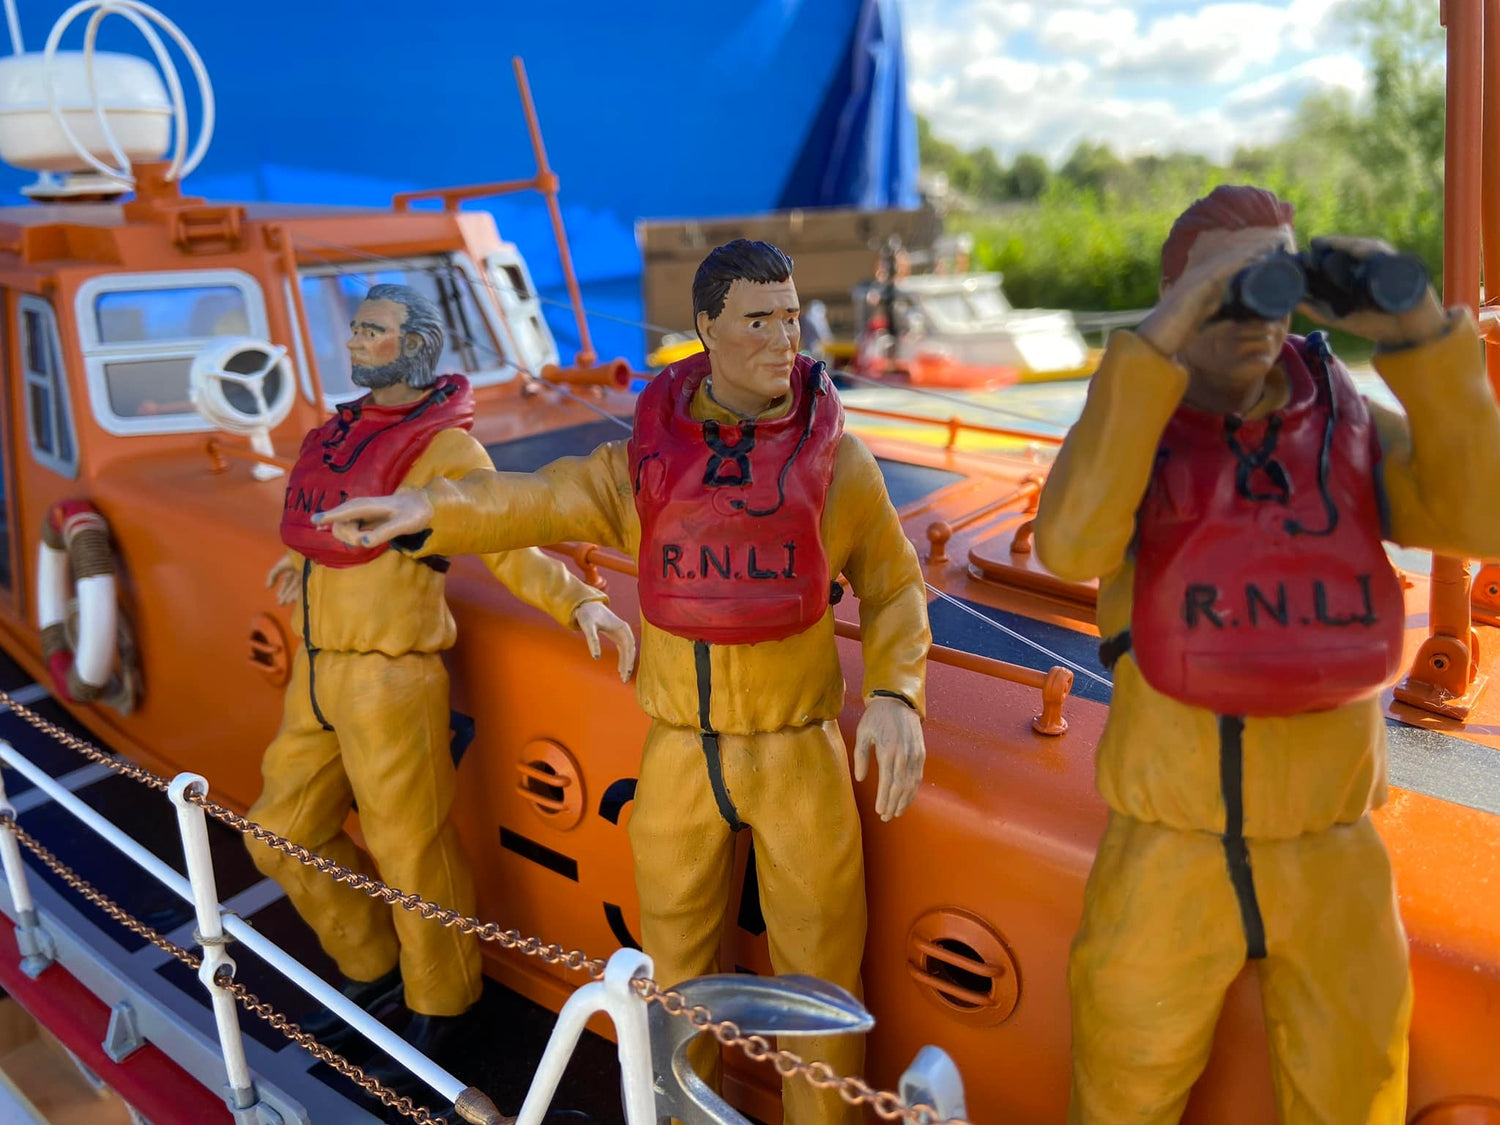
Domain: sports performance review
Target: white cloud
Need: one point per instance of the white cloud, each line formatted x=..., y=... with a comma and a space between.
x=1287, y=89
x=1219, y=42
x=1041, y=77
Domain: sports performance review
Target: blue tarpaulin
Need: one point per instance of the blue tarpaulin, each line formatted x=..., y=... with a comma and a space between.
x=670, y=109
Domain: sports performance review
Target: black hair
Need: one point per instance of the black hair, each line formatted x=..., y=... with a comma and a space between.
x=740, y=260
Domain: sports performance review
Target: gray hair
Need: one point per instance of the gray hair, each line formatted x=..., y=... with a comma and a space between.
x=422, y=319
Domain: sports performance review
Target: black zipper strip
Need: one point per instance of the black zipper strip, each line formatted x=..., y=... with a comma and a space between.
x=1236, y=850
x=711, y=754
x=312, y=651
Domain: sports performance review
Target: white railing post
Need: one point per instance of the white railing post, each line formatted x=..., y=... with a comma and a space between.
x=933, y=1080
x=35, y=946
x=210, y=935
x=616, y=996
x=473, y=1104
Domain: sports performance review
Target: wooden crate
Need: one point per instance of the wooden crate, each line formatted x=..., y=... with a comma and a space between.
x=834, y=249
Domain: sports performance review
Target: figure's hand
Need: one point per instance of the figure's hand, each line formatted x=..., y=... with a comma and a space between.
x=594, y=618
x=376, y=520
x=285, y=580
x=1194, y=298
x=1426, y=322
x=894, y=731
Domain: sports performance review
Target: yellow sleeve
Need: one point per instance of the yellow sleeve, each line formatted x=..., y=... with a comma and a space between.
x=1441, y=462
x=543, y=581
x=584, y=499
x=537, y=579
x=885, y=575
x=1086, y=514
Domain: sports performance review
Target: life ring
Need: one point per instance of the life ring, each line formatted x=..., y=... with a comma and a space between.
x=87, y=644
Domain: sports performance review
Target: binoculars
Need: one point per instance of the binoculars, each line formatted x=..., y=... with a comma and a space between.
x=1274, y=286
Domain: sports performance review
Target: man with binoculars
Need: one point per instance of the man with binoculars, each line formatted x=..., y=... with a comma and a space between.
x=1231, y=489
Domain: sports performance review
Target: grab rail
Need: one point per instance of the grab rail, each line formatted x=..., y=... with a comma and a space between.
x=954, y=425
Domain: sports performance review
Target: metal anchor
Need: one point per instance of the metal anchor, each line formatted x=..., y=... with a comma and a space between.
x=781, y=1006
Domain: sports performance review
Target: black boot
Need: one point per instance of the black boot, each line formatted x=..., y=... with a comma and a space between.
x=330, y=1030
x=431, y=1035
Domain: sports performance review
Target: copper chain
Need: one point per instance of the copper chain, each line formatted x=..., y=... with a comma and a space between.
x=553, y=954
x=855, y=1091
x=87, y=749
x=252, y=1003
x=223, y=979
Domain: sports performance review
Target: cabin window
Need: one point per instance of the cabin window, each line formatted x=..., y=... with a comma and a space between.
x=949, y=306
x=988, y=303
x=141, y=333
x=144, y=315
x=522, y=309
x=517, y=281
x=49, y=422
x=331, y=294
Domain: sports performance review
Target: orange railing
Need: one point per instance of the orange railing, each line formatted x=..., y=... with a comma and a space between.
x=1054, y=684
x=546, y=182
x=954, y=425
x=940, y=531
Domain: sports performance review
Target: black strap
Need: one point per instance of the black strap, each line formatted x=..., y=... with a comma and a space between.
x=1236, y=850
x=412, y=542
x=312, y=650
x=710, y=738
x=1112, y=648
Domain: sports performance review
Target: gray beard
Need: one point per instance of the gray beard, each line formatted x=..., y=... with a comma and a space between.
x=404, y=369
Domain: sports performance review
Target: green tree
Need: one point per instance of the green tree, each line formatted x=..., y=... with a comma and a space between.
x=1028, y=176
x=1091, y=166
x=989, y=175
x=1363, y=166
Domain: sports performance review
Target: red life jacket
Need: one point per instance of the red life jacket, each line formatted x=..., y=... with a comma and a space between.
x=364, y=450
x=731, y=514
x=1261, y=586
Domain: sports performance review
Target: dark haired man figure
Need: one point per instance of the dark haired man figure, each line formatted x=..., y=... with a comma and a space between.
x=366, y=713
x=741, y=498
x=1230, y=489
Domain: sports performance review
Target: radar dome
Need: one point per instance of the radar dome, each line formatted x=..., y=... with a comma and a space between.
x=130, y=90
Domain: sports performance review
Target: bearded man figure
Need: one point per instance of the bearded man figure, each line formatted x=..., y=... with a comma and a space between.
x=366, y=716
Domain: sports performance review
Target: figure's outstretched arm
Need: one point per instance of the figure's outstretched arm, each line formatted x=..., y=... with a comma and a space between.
x=574, y=498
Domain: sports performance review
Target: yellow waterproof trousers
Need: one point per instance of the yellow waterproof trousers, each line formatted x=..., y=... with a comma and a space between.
x=372, y=729
x=1163, y=937
x=791, y=789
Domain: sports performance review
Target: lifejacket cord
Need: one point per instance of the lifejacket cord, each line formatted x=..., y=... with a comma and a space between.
x=1325, y=457
x=1262, y=458
x=815, y=388
x=435, y=398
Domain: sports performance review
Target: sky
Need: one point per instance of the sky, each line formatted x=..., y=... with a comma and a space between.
x=1148, y=75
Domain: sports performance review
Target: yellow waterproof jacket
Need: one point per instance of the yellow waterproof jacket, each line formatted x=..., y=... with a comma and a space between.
x=394, y=604
x=1158, y=759
x=761, y=687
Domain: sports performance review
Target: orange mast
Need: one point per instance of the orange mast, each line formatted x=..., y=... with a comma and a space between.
x=1444, y=677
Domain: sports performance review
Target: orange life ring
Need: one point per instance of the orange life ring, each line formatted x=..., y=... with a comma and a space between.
x=87, y=644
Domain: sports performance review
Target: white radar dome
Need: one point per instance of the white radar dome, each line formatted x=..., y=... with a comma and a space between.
x=135, y=103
